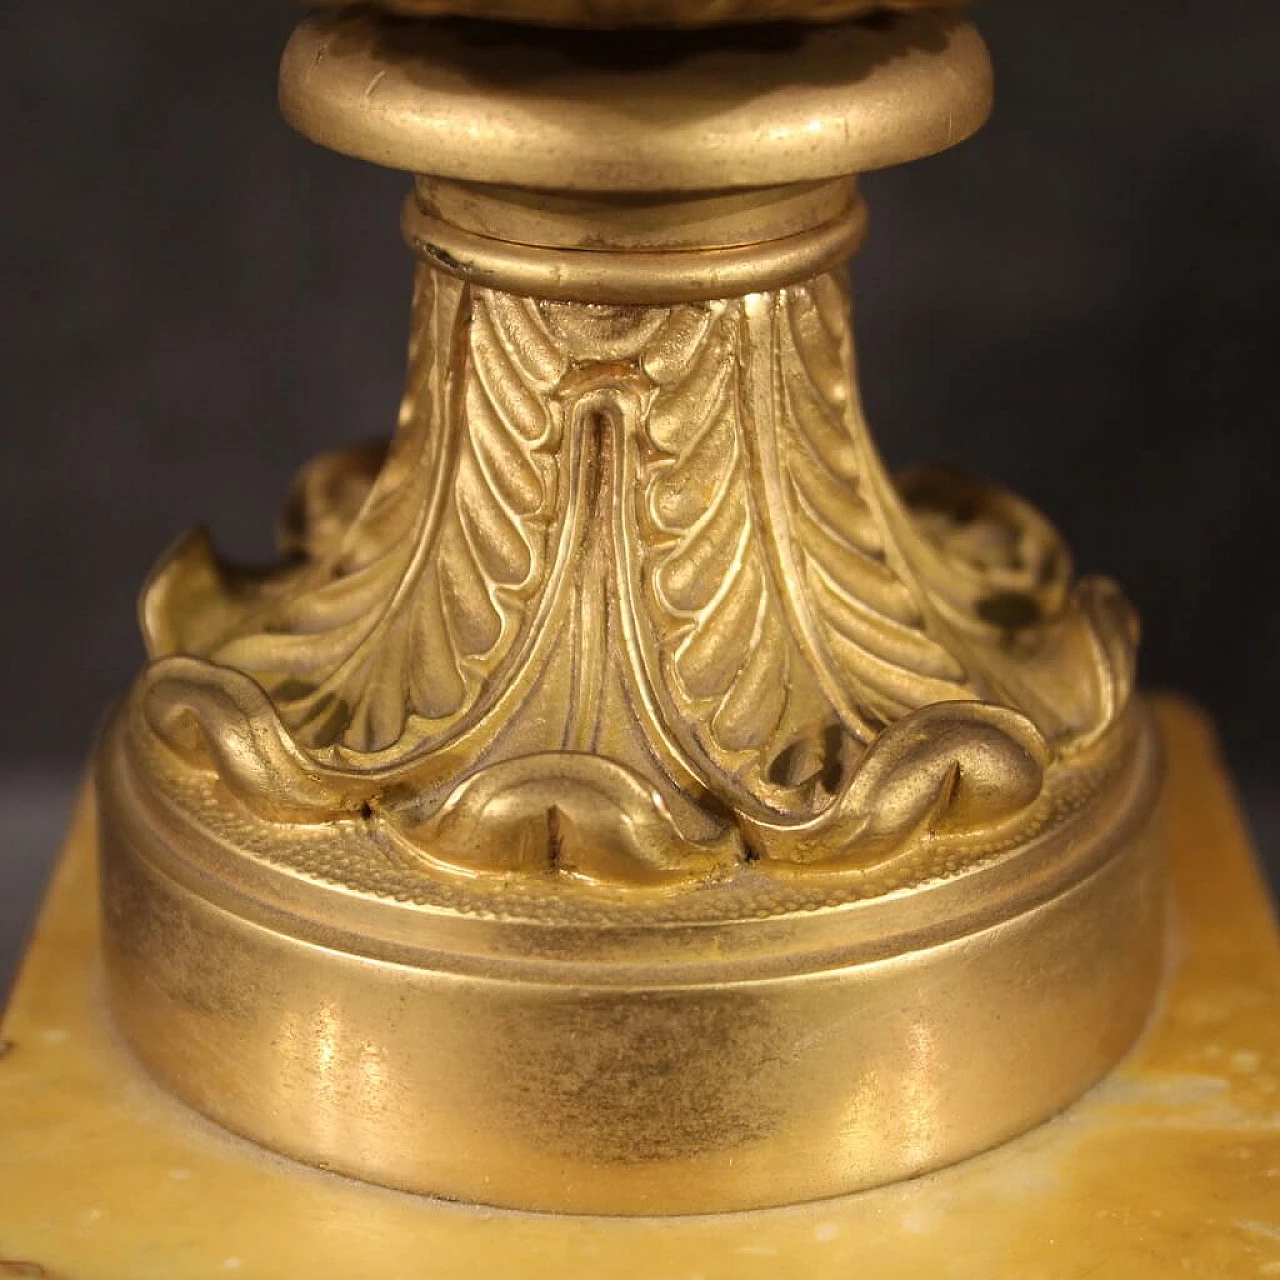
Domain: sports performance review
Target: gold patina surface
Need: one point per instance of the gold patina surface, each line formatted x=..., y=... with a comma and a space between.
x=586, y=112
x=626, y=797
x=1169, y=1168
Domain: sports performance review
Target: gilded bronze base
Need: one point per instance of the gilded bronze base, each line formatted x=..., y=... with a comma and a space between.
x=625, y=797
x=761, y=1043
x=1168, y=1168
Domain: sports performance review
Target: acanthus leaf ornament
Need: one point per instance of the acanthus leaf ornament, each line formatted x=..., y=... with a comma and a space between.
x=666, y=520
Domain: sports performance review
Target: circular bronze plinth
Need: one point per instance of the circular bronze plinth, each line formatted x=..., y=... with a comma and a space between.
x=758, y=1042
x=587, y=113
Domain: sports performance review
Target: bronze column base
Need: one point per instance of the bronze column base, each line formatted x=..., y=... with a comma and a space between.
x=627, y=798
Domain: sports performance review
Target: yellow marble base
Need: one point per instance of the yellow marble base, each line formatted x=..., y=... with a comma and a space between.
x=1171, y=1168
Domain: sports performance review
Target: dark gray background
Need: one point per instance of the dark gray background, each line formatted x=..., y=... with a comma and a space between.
x=1081, y=304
